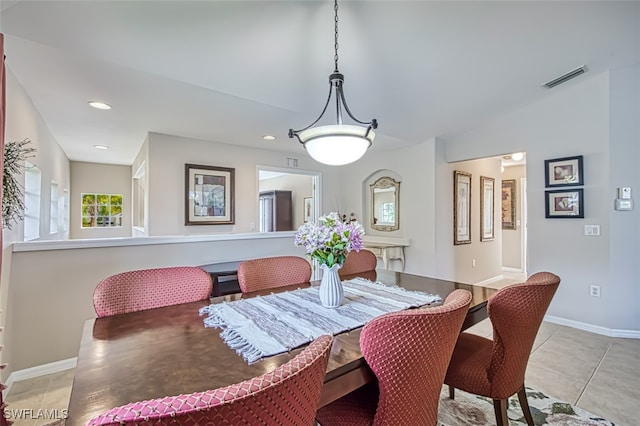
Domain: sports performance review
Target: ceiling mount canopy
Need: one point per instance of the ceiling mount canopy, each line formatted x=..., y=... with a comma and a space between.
x=336, y=144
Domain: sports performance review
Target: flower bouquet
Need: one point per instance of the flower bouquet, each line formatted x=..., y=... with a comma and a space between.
x=328, y=242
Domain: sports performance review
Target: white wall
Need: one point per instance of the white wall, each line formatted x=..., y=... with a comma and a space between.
x=99, y=179
x=574, y=120
x=414, y=167
x=167, y=158
x=24, y=121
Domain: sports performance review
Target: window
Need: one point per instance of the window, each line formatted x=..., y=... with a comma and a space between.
x=53, y=227
x=388, y=213
x=65, y=209
x=138, y=198
x=101, y=210
x=31, y=202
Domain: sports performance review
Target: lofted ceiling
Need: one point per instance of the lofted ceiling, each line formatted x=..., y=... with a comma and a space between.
x=233, y=71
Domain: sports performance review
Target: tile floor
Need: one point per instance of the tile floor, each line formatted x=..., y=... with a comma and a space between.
x=597, y=373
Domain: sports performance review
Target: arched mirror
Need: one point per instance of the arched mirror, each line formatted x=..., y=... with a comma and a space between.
x=385, y=204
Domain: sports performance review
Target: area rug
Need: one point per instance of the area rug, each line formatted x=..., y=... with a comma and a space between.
x=473, y=410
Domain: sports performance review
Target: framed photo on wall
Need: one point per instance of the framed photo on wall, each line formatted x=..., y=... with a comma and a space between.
x=461, y=207
x=487, y=189
x=308, y=209
x=564, y=204
x=508, y=204
x=209, y=195
x=563, y=171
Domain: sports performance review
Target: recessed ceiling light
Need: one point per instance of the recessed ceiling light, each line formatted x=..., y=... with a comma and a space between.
x=269, y=138
x=101, y=147
x=99, y=105
x=517, y=156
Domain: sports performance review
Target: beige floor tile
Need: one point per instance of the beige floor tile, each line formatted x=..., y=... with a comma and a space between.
x=553, y=383
x=65, y=376
x=610, y=403
x=483, y=328
x=26, y=388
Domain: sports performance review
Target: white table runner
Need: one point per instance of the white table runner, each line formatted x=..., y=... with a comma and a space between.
x=263, y=326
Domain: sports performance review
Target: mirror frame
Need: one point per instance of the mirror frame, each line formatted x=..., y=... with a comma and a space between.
x=383, y=183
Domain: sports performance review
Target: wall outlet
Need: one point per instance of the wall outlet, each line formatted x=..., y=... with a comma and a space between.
x=473, y=263
x=593, y=230
x=595, y=291
x=252, y=226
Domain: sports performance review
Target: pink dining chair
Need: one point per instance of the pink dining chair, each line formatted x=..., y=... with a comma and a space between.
x=408, y=352
x=288, y=395
x=495, y=368
x=150, y=288
x=357, y=262
x=272, y=272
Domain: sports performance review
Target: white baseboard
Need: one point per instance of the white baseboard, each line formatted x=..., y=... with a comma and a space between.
x=508, y=269
x=611, y=332
x=490, y=280
x=39, y=370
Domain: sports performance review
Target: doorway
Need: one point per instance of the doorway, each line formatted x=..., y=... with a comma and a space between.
x=514, y=239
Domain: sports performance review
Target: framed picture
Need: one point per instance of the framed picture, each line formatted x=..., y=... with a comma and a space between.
x=209, y=195
x=564, y=204
x=308, y=209
x=487, y=189
x=509, y=204
x=461, y=207
x=563, y=171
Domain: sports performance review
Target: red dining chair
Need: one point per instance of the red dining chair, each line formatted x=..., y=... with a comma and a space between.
x=357, y=262
x=272, y=272
x=496, y=368
x=408, y=352
x=150, y=288
x=288, y=395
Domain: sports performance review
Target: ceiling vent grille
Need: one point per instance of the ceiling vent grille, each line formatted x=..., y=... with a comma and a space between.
x=566, y=77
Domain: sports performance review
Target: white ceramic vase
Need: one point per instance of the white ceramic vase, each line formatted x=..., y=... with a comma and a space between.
x=331, y=292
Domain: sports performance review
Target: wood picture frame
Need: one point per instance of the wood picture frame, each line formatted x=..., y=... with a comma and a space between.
x=508, y=204
x=564, y=204
x=209, y=195
x=565, y=171
x=461, y=207
x=487, y=203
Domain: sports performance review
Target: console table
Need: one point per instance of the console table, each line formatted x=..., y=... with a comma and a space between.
x=387, y=249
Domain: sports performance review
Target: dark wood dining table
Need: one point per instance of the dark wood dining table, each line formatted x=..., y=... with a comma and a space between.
x=168, y=351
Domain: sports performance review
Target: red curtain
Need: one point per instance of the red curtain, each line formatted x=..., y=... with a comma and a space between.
x=3, y=420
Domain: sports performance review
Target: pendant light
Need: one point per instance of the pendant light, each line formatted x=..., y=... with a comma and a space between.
x=336, y=144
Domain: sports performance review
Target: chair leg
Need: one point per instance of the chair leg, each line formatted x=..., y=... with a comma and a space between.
x=524, y=404
x=452, y=391
x=500, y=408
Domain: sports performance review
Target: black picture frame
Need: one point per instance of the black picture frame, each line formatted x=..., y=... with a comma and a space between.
x=209, y=195
x=567, y=171
x=564, y=204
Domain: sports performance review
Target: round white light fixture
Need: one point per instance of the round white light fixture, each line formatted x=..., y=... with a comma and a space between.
x=99, y=105
x=269, y=138
x=101, y=147
x=517, y=156
x=337, y=144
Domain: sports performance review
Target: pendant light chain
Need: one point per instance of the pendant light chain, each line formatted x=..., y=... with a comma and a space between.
x=335, y=57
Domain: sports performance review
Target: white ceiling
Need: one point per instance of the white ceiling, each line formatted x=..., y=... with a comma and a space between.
x=232, y=71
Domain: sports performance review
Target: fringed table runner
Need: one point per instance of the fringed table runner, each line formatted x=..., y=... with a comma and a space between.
x=263, y=326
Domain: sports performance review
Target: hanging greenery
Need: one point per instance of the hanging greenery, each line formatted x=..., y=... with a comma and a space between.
x=15, y=154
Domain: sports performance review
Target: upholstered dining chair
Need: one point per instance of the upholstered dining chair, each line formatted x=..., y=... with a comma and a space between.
x=357, y=262
x=408, y=352
x=150, y=288
x=496, y=368
x=288, y=395
x=272, y=272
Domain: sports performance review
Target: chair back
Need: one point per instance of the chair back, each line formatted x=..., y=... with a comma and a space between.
x=288, y=395
x=273, y=272
x=409, y=352
x=150, y=288
x=357, y=262
x=516, y=312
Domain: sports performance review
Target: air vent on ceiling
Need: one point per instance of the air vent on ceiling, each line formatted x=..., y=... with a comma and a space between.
x=566, y=77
